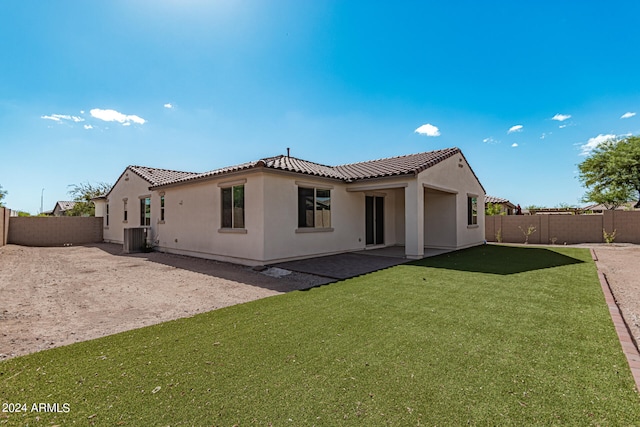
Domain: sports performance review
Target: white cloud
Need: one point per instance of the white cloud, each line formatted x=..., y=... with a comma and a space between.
x=88, y=127
x=54, y=117
x=562, y=126
x=627, y=115
x=561, y=117
x=592, y=143
x=115, y=116
x=490, y=140
x=515, y=144
x=169, y=106
x=428, y=130
x=516, y=128
x=60, y=117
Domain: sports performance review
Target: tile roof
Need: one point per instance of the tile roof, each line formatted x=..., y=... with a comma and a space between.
x=65, y=206
x=159, y=176
x=392, y=166
x=492, y=199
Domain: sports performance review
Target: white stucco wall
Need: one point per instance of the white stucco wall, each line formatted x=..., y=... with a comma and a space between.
x=132, y=187
x=192, y=222
x=193, y=219
x=455, y=176
x=100, y=206
x=440, y=219
x=284, y=240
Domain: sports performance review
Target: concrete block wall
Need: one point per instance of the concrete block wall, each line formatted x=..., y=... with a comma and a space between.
x=54, y=231
x=4, y=225
x=626, y=224
x=572, y=229
x=562, y=229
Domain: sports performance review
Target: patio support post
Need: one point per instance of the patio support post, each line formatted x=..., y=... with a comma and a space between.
x=414, y=220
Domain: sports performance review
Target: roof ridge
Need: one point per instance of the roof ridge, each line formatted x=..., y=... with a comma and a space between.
x=378, y=168
x=399, y=157
x=303, y=160
x=162, y=169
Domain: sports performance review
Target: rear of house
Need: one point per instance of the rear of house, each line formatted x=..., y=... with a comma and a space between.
x=283, y=208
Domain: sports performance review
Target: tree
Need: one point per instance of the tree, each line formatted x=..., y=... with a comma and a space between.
x=3, y=194
x=494, y=209
x=612, y=172
x=82, y=195
x=610, y=199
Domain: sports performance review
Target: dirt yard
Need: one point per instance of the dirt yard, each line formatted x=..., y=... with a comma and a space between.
x=620, y=263
x=57, y=296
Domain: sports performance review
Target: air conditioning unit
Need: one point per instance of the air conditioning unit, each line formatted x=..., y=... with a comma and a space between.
x=135, y=240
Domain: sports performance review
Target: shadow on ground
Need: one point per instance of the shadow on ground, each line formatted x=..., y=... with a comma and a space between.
x=496, y=259
x=224, y=270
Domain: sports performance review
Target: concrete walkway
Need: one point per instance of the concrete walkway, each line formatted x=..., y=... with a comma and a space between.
x=351, y=264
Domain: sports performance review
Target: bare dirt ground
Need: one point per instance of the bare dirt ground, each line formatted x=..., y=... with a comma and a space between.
x=51, y=297
x=620, y=263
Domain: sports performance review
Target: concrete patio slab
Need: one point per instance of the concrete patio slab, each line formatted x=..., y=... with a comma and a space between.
x=351, y=264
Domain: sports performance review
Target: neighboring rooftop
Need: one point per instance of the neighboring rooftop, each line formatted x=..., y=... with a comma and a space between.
x=629, y=206
x=65, y=206
x=496, y=200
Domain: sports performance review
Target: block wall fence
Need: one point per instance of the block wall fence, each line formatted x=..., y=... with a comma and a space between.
x=563, y=229
x=54, y=231
x=570, y=229
x=4, y=225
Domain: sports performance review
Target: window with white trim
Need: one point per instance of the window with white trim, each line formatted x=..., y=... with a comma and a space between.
x=145, y=211
x=232, y=206
x=472, y=210
x=314, y=208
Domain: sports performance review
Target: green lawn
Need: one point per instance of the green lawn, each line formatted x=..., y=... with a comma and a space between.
x=492, y=335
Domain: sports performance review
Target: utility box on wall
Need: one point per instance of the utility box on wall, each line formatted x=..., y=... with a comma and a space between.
x=135, y=240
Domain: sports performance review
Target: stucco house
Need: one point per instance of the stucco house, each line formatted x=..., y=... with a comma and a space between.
x=62, y=207
x=506, y=206
x=283, y=208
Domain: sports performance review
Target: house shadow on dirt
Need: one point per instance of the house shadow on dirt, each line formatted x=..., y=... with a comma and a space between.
x=218, y=269
x=497, y=259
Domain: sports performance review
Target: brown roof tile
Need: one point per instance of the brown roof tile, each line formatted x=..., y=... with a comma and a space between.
x=392, y=166
x=159, y=176
x=492, y=199
x=401, y=165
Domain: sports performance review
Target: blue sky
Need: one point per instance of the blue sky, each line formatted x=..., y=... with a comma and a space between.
x=525, y=89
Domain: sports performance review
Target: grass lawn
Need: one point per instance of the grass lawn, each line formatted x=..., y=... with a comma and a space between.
x=492, y=335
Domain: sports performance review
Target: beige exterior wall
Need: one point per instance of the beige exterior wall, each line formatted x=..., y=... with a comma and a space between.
x=427, y=210
x=193, y=218
x=130, y=187
x=440, y=228
x=563, y=229
x=283, y=239
x=100, y=206
x=452, y=177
